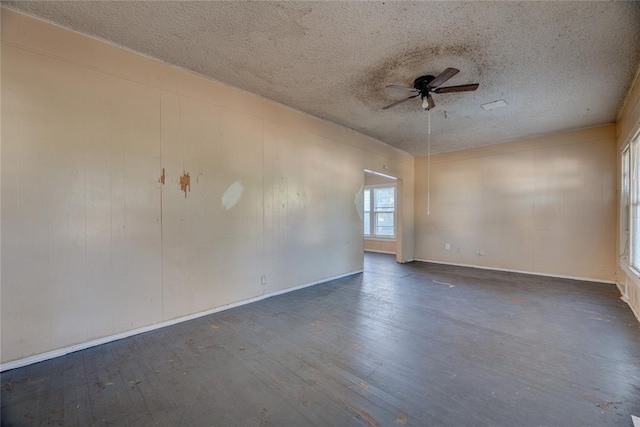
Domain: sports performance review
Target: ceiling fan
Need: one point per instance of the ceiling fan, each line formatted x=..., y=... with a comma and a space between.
x=425, y=85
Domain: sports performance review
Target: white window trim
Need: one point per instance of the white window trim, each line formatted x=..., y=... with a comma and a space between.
x=624, y=249
x=628, y=262
x=373, y=237
x=380, y=238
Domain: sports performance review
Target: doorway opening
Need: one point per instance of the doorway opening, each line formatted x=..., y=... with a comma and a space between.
x=382, y=224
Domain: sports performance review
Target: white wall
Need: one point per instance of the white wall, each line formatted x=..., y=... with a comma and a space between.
x=543, y=205
x=94, y=244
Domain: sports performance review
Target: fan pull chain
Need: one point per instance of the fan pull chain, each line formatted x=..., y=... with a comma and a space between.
x=428, y=162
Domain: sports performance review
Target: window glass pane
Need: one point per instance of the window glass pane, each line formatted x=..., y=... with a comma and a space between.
x=367, y=200
x=384, y=224
x=635, y=204
x=367, y=224
x=624, y=208
x=384, y=199
x=379, y=208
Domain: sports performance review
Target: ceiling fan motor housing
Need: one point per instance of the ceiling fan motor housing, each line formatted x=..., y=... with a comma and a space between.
x=422, y=83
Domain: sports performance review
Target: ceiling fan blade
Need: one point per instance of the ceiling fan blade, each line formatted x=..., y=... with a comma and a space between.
x=409, y=89
x=399, y=102
x=443, y=77
x=461, y=88
x=430, y=102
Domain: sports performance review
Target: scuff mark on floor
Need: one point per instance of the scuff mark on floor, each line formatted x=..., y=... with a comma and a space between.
x=370, y=419
x=600, y=403
x=402, y=419
x=444, y=283
x=9, y=387
x=300, y=399
x=263, y=418
x=277, y=379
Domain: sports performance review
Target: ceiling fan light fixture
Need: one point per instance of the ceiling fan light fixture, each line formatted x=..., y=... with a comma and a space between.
x=493, y=105
x=424, y=86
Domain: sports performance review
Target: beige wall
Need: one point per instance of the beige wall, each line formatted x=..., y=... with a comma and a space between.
x=94, y=244
x=373, y=179
x=543, y=205
x=627, y=126
x=379, y=245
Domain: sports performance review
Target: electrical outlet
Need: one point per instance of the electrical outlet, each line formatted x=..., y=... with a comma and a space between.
x=447, y=246
x=479, y=253
x=263, y=280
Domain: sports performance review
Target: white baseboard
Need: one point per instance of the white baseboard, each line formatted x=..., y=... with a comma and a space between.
x=533, y=273
x=76, y=347
x=379, y=252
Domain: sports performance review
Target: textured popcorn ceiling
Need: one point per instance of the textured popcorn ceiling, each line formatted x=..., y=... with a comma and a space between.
x=559, y=65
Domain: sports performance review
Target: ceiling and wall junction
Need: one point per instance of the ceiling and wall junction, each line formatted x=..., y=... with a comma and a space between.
x=558, y=65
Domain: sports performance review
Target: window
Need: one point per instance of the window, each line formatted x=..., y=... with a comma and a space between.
x=624, y=205
x=634, y=202
x=380, y=211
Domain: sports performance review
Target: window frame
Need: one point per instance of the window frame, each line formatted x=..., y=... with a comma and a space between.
x=625, y=204
x=372, y=212
x=634, y=203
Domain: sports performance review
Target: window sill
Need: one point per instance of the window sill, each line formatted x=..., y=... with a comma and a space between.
x=380, y=239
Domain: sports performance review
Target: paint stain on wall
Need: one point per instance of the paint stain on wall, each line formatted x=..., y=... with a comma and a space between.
x=185, y=183
x=232, y=195
x=359, y=202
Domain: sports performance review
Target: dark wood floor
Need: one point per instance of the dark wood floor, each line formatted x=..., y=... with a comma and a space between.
x=415, y=344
